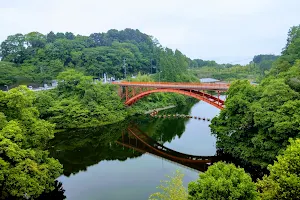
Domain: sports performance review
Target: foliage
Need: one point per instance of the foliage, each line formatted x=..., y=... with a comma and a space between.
x=173, y=67
x=8, y=73
x=43, y=57
x=264, y=62
x=250, y=72
x=284, y=179
x=290, y=53
x=141, y=78
x=223, y=181
x=172, y=189
x=197, y=63
x=258, y=121
x=26, y=169
x=40, y=58
x=76, y=151
x=254, y=71
x=80, y=102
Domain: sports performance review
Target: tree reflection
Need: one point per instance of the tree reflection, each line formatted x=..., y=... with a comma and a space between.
x=57, y=193
x=77, y=149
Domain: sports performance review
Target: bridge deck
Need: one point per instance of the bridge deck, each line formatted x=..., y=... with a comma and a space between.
x=174, y=85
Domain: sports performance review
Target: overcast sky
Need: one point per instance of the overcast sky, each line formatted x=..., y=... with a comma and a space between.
x=223, y=30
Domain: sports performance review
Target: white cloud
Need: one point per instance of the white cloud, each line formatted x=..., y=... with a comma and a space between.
x=228, y=30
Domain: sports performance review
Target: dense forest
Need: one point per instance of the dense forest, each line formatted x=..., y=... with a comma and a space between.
x=25, y=165
x=255, y=71
x=38, y=58
x=261, y=119
x=259, y=125
x=259, y=122
x=35, y=58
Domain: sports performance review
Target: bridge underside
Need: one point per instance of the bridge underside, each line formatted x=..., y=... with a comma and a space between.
x=132, y=97
x=134, y=91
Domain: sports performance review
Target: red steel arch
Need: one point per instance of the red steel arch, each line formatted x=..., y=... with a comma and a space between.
x=212, y=100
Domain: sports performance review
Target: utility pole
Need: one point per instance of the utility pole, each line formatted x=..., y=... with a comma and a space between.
x=124, y=65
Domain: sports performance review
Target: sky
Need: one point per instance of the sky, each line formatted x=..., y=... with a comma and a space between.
x=227, y=31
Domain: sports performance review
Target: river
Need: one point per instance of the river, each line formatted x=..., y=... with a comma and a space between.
x=97, y=164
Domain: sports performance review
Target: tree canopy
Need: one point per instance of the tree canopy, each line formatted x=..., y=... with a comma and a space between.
x=284, y=179
x=258, y=121
x=80, y=102
x=172, y=189
x=38, y=58
x=26, y=170
x=221, y=182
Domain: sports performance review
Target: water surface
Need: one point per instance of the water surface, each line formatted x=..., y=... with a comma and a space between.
x=96, y=167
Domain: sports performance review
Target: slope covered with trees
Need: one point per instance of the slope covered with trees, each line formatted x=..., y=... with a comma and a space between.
x=226, y=181
x=25, y=168
x=79, y=102
x=258, y=121
x=38, y=58
x=254, y=71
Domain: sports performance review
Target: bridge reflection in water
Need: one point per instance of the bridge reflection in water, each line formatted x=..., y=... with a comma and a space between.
x=136, y=139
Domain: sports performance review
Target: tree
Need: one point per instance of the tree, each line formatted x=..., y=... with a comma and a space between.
x=258, y=121
x=78, y=102
x=172, y=189
x=35, y=40
x=69, y=36
x=13, y=48
x=221, y=182
x=8, y=73
x=264, y=61
x=173, y=67
x=43, y=56
x=26, y=169
x=51, y=37
x=290, y=53
x=284, y=179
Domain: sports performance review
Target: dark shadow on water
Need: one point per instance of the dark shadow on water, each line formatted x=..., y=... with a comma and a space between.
x=78, y=149
x=255, y=171
x=57, y=193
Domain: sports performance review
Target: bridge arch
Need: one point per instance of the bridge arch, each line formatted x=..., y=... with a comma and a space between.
x=212, y=100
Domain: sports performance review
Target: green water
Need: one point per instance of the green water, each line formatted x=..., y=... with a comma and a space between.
x=96, y=166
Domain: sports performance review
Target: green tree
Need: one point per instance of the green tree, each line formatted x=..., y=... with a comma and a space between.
x=80, y=102
x=221, y=182
x=8, y=73
x=35, y=40
x=290, y=53
x=258, y=120
x=13, y=48
x=172, y=189
x=173, y=67
x=26, y=169
x=284, y=179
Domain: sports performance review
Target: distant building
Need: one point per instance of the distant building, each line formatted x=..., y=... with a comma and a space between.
x=54, y=83
x=209, y=80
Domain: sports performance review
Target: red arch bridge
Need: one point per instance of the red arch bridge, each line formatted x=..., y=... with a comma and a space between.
x=134, y=91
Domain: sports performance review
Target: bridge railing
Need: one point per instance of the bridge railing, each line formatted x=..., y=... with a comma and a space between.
x=173, y=83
